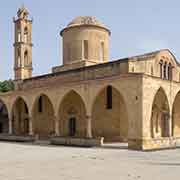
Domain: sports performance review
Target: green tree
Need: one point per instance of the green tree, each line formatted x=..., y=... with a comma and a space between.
x=6, y=86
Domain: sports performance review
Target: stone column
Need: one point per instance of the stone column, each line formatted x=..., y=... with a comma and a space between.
x=31, y=131
x=170, y=126
x=10, y=125
x=167, y=71
x=161, y=69
x=88, y=126
x=56, y=121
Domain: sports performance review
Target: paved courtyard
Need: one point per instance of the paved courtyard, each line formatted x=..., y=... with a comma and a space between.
x=35, y=162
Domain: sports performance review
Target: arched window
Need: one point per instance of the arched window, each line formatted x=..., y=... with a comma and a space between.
x=18, y=58
x=68, y=51
x=109, y=97
x=161, y=68
x=24, y=15
x=25, y=35
x=101, y=53
x=170, y=71
x=19, y=36
x=165, y=71
x=26, y=58
x=85, y=49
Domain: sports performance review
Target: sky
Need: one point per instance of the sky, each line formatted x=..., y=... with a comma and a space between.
x=137, y=27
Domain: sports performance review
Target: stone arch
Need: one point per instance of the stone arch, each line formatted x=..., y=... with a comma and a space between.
x=26, y=57
x=4, y=118
x=110, y=122
x=43, y=116
x=20, y=117
x=176, y=116
x=26, y=34
x=160, y=115
x=72, y=108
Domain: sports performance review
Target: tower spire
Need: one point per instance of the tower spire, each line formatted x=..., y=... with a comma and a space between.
x=23, y=45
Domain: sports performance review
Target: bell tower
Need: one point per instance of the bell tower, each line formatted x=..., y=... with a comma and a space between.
x=23, y=45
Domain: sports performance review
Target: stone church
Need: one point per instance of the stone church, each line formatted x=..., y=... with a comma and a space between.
x=90, y=100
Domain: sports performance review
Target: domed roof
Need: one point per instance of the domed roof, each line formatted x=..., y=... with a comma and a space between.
x=85, y=20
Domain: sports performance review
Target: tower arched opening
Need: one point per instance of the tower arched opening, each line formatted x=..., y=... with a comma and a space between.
x=25, y=34
x=26, y=58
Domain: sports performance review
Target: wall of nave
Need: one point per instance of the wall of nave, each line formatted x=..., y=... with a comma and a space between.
x=85, y=102
x=136, y=108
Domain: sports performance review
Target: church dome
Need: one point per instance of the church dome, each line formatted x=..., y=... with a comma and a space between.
x=85, y=20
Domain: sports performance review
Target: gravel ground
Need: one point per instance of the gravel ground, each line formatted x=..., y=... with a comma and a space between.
x=35, y=162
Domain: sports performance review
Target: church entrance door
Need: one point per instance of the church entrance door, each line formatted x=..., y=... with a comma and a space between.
x=72, y=126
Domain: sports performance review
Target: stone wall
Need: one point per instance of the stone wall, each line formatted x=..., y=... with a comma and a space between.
x=127, y=85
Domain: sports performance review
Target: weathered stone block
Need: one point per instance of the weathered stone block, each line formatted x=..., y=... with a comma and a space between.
x=84, y=142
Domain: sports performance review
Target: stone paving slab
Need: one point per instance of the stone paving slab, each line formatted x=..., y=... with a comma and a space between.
x=43, y=162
